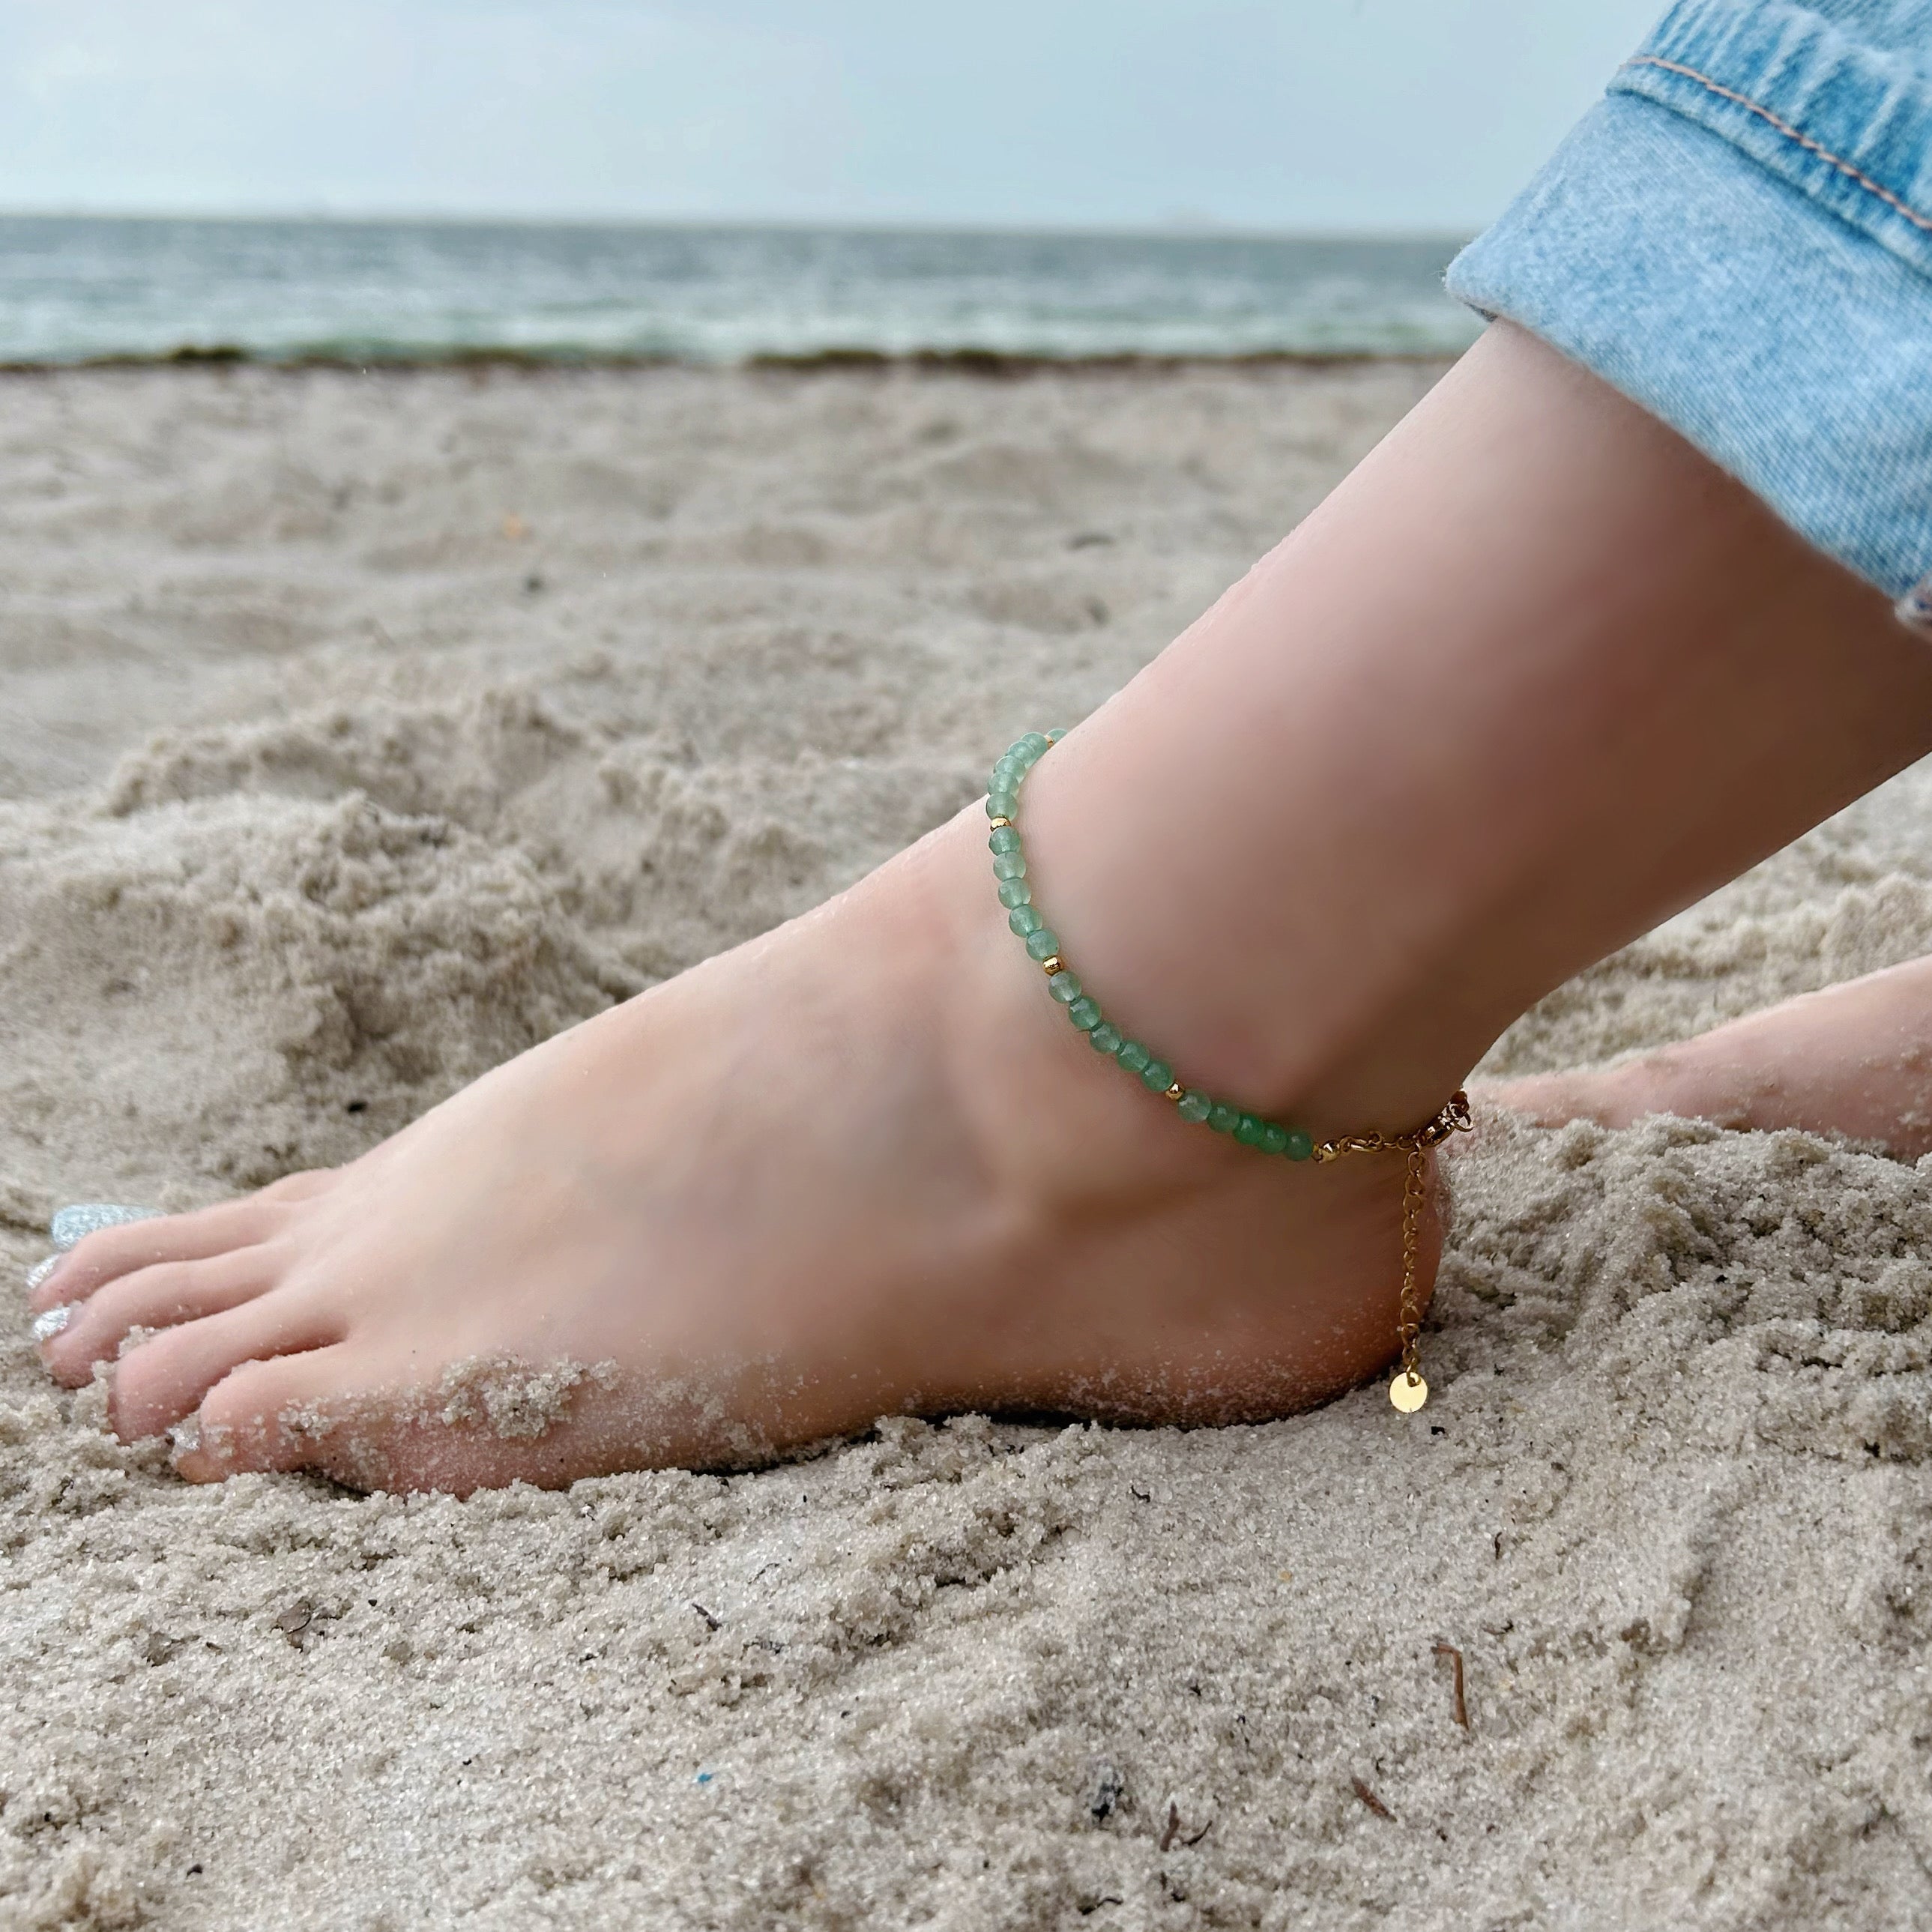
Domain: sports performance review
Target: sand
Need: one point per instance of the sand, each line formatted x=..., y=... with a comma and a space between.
x=361, y=730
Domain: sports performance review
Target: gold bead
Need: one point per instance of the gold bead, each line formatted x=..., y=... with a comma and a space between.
x=995, y=824
x=1176, y=1091
x=1052, y=964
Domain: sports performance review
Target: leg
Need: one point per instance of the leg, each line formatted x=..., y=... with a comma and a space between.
x=1855, y=1059
x=1534, y=677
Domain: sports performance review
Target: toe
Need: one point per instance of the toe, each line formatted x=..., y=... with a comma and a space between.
x=107, y=1254
x=256, y=1417
x=160, y=1381
x=161, y=1297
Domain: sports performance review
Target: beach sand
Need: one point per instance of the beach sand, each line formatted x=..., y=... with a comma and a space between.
x=361, y=730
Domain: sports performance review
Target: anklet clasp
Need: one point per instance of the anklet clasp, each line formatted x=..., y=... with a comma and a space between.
x=1408, y=1391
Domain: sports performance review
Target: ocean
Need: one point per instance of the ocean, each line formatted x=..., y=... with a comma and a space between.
x=73, y=288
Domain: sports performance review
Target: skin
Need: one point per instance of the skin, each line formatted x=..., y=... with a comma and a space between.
x=1855, y=1059
x=1534, y=677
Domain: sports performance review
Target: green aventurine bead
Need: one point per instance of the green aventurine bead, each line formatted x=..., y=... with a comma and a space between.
x=1194, y=1106
x=1155, y=1077
x=1299, y=1146
x=1085, y=1013
x=1065, y=987
x=1009, y=865
x=1024, y=921
x=1001, y=805
x=1016, y=892
x=1105, y=1038
x=1043, y=942
x=1133, y=1056
x=1053, y=736
x=1249, y=1131
x=1006, y=777
x=1274, y=1139
x=1034, y=744
x=1223, y=1118
x=1003, y=839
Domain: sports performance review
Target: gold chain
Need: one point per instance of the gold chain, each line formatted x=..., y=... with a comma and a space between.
x=1408, y=1391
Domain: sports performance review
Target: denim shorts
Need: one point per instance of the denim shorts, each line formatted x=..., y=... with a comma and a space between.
x=1738, y=236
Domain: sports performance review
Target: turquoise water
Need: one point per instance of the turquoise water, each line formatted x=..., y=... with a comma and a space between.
x=73, y=288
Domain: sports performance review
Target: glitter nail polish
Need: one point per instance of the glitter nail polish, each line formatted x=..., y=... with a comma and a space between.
x=76, y=1222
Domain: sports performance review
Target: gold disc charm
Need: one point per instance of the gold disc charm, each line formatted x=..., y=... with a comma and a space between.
x=1408, y=1391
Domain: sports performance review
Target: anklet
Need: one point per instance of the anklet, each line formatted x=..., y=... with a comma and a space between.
x=1408, y=1391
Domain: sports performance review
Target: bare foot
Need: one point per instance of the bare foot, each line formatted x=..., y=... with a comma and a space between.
x=1855, y=1059
x=860, y=1166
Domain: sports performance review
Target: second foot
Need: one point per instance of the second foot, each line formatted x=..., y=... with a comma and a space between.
x=1854, y=1059
x=861, y=1166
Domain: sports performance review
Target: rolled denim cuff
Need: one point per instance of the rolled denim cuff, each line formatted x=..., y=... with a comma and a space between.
x=1739, y=237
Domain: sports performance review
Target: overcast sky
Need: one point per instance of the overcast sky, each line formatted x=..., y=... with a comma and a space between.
x=1385, y=115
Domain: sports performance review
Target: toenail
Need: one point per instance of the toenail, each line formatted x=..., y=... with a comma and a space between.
x=47, y=1326
x=86, y=1217
x=39, y=1272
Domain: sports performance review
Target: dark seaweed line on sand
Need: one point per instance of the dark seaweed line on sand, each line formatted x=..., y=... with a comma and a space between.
x=989, y=362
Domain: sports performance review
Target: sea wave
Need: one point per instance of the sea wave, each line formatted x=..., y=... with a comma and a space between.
x=81, y=290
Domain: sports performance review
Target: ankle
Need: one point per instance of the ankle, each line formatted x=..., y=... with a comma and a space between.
x=1094, y=1187
x=1064, y=1131
x=1344, y=1051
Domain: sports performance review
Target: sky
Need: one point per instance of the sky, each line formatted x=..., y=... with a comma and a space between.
x=1377, y=116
